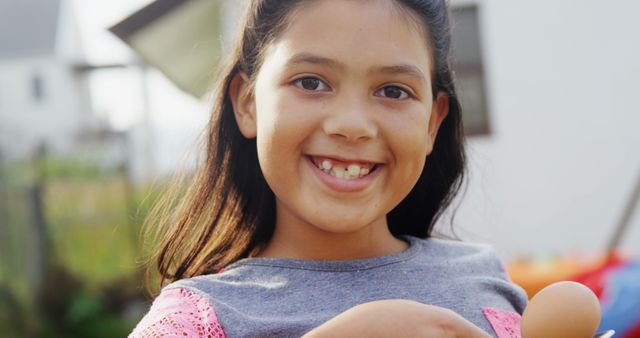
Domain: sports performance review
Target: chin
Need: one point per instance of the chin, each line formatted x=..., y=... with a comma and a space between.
x=343, y=225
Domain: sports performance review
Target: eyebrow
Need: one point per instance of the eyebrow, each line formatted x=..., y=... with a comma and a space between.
x=402, y=69
x=316, y=60
x=405, y=69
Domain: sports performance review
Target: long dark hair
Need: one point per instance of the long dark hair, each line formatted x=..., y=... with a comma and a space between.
x=228, y=211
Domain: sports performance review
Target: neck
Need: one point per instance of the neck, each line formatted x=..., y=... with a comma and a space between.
x=299, y=241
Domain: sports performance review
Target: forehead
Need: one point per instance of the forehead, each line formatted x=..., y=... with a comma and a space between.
x=381, y=31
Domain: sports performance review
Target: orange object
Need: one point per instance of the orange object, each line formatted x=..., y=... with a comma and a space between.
x=533, y=276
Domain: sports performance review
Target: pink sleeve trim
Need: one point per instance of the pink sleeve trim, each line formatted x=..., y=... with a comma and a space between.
x=179, y=313
x=506, y=324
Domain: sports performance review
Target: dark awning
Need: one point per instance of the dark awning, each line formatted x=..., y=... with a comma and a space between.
x=181, y=38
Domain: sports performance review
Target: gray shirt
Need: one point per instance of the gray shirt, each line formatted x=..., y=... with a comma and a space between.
x=259, y=297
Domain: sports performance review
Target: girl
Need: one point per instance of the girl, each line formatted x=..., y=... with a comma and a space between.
x=334, y=145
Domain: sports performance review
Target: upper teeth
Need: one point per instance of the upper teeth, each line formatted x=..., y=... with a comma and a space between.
x=352, y=171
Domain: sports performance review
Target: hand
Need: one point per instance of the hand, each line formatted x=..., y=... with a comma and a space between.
x=397, y=318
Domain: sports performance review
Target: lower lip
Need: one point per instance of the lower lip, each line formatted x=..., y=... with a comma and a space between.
x=341, y=185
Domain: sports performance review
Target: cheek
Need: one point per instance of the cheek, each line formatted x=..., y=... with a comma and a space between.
x=282, y=128
x=411, y=146
x=410, y=135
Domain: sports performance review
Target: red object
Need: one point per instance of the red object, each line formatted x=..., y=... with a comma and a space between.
x=633, y=333
x=596, y=279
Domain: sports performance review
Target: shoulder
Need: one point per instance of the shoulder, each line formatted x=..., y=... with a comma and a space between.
x=463, y=258
x=474, y=262
x=178, y=312
x=458, y=252
x=478, y=270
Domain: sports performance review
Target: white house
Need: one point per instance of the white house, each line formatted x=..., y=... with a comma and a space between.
x=559, y=166
x=44, y=98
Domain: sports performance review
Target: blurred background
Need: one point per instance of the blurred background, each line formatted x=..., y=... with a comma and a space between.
x=100, y=102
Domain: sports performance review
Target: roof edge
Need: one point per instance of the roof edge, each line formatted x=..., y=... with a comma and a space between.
x=144, y=16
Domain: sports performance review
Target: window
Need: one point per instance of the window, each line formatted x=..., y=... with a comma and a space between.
x=468, y=70
x=37, y=88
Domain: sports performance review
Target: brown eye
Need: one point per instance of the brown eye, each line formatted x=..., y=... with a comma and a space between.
x=393, y=92
x=311, y=84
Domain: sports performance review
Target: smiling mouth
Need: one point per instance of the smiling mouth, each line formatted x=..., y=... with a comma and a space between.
x=343, y=169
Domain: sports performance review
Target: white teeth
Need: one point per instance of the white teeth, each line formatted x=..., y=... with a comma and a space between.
x=354, y=170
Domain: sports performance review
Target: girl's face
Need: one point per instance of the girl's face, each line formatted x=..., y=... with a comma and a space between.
x=344, y=117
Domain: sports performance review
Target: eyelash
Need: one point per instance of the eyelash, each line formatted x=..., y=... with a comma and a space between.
x=405, y=94
x=298, y=83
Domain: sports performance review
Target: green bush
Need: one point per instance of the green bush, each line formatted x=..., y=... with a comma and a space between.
x=91, y=279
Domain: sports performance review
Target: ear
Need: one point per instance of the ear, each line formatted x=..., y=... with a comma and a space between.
x=244, y=108
x=439, y=111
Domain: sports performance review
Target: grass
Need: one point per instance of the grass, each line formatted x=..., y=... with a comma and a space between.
x=14, y=241
x=92, y=223
x=93, y=230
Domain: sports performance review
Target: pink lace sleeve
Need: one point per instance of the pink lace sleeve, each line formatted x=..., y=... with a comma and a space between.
x=179, y=313
x=505, y=324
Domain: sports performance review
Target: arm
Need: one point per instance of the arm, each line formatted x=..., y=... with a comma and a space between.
x=395, y=317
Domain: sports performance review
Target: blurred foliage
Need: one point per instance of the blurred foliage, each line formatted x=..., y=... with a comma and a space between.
x=72, y=308
x=55, y=167
x=93, y=218
x=84, y=277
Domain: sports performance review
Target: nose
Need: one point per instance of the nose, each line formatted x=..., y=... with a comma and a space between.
x=352, y=120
